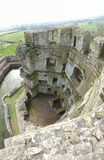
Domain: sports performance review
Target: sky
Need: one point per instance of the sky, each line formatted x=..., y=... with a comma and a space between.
x=16, y=12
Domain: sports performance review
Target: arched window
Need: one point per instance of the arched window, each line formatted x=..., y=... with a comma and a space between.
x=51, y=63
x=77, y=76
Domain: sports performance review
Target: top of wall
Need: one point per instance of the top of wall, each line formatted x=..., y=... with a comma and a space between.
x=62, y=36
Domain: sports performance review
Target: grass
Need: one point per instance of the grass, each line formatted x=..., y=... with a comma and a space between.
x=31, y=109
x=12, y=112
x=14, y=37
x=91, y=46
x=88, y=26
x=1, y=33
x=2, y=48
x=9, y=51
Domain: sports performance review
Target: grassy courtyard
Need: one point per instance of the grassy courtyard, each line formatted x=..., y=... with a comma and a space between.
x=12, y=112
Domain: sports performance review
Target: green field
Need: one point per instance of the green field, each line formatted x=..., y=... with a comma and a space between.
x=1, y=33
x=12, y=112
x=88, y=26
x=9, y=51
x=14, y=37
x=2, y=48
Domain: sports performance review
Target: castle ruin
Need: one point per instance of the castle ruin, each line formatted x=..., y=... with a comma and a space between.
x=58, y=62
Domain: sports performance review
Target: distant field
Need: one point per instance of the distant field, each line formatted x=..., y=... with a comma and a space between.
x=9, y=51
x=2, y=48
x=1, y=33
x=15, y=37
x=88, y=26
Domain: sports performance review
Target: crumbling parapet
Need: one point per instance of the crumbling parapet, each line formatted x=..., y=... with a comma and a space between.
x=98, y=47
x=63, y=36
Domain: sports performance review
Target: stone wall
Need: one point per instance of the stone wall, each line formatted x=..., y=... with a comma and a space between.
x=77, y=139
x=7, y=59
x=6, y=64
x=44, y=61
x=7, y=116
x=21, y=112
x=70, y=72
x=65, y=36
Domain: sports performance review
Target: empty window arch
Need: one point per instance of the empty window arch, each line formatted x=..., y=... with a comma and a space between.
x=77, y=76
x=51, y=63
x=55, y=80
x=67, y=93
x=64, y=66
x=50, y=35
x=49, y=90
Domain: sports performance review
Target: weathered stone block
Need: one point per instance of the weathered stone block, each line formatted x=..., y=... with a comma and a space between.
x=51, y=142
x=69, y=127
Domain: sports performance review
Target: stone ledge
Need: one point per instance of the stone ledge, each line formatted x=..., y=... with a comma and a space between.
x=7, y=117
x=72, y=139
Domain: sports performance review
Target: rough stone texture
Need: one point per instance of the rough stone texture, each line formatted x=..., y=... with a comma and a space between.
x=21, y=112
x=7, y=117
x=6, y=64
x=7, y=59
x=98, y=50
x=39, y=72
x=63, y=140
x=73, y=77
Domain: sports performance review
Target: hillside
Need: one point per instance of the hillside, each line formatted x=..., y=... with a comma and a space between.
x=13, y=37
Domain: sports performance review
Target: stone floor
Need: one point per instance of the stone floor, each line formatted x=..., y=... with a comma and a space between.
x=40, y=111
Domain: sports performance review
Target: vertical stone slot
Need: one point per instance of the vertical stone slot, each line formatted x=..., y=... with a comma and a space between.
x=74, y=41
x=64, y=66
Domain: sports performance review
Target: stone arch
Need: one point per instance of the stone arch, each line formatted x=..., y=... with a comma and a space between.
x=51, y=62
x=50, y=35
x=55, y=35
x=67, y=93
x=55, y=80
x=77, y=76
x=64, y=66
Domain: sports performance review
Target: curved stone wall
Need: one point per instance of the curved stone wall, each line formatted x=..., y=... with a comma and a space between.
x=7, y=117
x=6, y=64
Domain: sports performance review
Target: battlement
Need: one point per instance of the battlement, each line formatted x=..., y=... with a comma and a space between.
x=63, y=36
